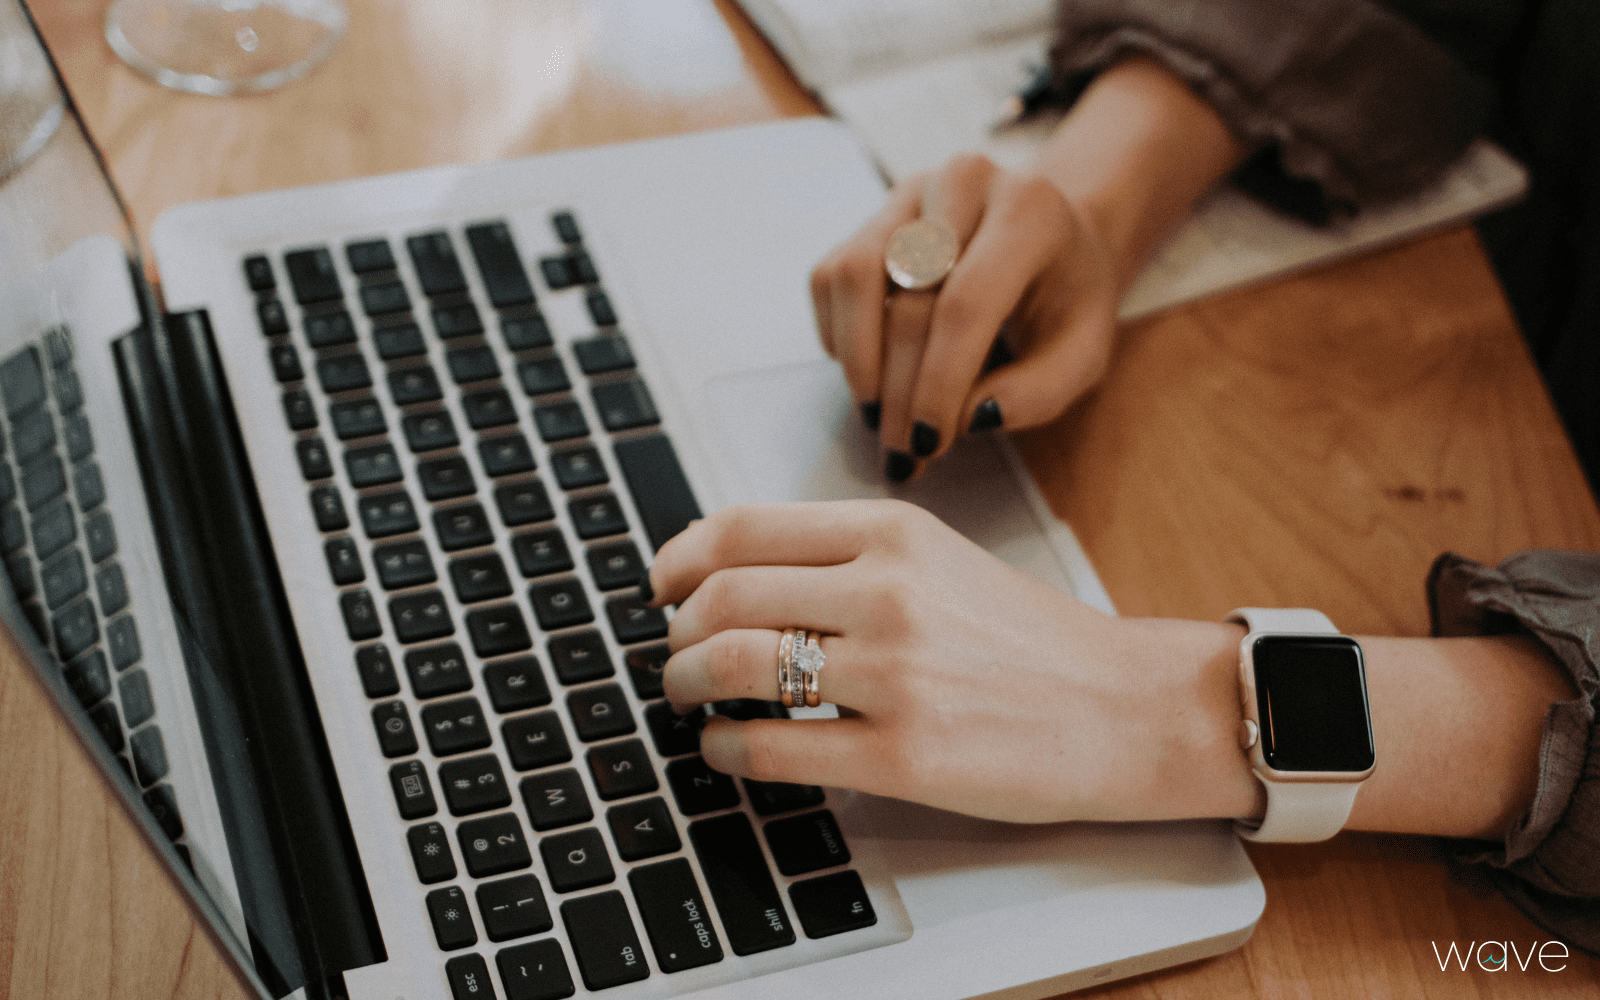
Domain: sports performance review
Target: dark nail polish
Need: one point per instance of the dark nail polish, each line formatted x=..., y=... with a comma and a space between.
x=647, y=593
x=924, y=439
x=986, y=417
x=899, y=466
x=872, y=414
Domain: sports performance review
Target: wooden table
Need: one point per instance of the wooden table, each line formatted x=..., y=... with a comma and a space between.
x=1316, y=441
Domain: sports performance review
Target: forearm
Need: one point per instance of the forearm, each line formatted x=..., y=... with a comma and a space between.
x=1134, y=154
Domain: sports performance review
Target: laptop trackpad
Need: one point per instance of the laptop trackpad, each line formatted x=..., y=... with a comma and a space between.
x=795, y=434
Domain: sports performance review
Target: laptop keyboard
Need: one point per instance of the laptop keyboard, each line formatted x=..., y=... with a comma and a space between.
x=482, y=491
x=62, y=557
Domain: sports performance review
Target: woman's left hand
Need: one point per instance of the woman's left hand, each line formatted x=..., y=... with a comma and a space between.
x=962, y=683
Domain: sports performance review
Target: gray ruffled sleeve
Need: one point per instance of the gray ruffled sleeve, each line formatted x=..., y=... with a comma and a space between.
x=1352, y=97
x=1549, y=863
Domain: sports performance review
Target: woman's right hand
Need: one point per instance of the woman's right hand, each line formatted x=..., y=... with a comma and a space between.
x=1029, y=263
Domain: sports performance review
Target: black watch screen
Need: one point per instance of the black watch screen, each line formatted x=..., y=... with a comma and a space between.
x=1311, y=693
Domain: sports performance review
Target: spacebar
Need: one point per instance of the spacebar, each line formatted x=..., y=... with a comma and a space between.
x=660, y=490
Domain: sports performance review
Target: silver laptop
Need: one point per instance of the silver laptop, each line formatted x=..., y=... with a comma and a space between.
x=336, y=561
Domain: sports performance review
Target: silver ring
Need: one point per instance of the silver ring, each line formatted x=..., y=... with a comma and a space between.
x=786, y=666
x=920, y=254
x=809, y=659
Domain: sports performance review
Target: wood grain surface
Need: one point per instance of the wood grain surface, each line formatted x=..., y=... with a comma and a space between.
x=1316, y=441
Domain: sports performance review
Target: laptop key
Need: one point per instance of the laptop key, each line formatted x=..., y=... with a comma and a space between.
x=542, y=376
x=374, y=465
x=75, y=434
x=437, y=670
x=624, y=405
x=43, y=479
x=378, y=677
x=430, y=853
x=299, y=410
x=274, y=319
x=560, y=421
x=469, y=978
x=328, y=509
x=615, y=564
x=622, y=770
x=535, y=741
x=472, y=364
x=658, y=485
x=32, y=433
x=418, y=617
x=643, y=829
x=404, y=564
x=56, y=520
x=772, y=797
x=498, y=630
x=514, y=685
x=608, y=352
x=499, y=264
x=20, y=569
x=149, y=754
x=384, y=297
x=566, y=227
x=455, y=726
x=644, y=669
x=675, y=915
x=505, y=456
x=674, y=734
x=357, y=418
x=434, y=258
x=558, y=272
x=22, y=381
x=513, y=908
x=452, y=921
x=576, y=860
x=560, y=604
x=541, y=552
x=100, y=535
x=576, y=468
x=463, y=527
x=76, y=629
x=488, y=408
x=480, y=578
x=413, y=794
x=474, y=785
x=583, y=268
x=414, y=385
x=555, y=800
x=523, y=503
x=88, y=485
x=493, y=845
x=698, y=789
x=344, y=561
x=458, y=320
x=753, y=916
x=597, y=516
x=631, y=621
x=385, y=514
x=832, y=904
x=599, y=713
x=603, y=940
x=315, y=462
x=525, y=333
x=400, y=340
x=369, y=255
x=88, y=678
x=535, y=971
x=808, y=843
x=122, y=642
x=163, y=806
x=445, y=478
x=258, y=273
x=579, y=657
x=343, y=373
x=329, y=329
x=430, y=430
x=285, y=363
x=600, y=309
x=361, y=619
x=53, y=528
x=111, y=587
x=312, y=275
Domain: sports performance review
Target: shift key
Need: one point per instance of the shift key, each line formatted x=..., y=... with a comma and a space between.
x=752, y=912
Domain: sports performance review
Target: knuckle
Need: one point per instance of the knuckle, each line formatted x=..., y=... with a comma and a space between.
x=762, y=753
x=967, y=170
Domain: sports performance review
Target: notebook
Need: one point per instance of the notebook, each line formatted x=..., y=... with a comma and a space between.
x=333, y=562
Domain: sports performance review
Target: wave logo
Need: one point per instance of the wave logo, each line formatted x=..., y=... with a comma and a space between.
x=1498, y=956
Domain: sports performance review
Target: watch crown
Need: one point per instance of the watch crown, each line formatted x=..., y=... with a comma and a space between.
x=1248, y=733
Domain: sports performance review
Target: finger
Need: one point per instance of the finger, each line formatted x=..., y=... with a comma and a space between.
x=1019, y=236
x=832, y=752
x=743, y=663
x=816, y=598
x=777, y=534
x=854, y=287
x=1049, y=377
x=906, y=317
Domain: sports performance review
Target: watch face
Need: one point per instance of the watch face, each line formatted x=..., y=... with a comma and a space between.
x=1312, y=696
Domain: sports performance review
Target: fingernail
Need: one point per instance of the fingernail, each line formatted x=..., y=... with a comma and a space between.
x=924, y=439
x=647, y=593
x=986, y=417
x=872, y=414
x=899, y=466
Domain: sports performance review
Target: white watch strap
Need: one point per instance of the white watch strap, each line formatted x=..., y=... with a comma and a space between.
x=1297, y=811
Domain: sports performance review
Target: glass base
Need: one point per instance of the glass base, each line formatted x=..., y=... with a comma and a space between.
x=223, y=47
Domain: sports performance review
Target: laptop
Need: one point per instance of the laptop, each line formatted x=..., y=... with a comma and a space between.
x=332, y=557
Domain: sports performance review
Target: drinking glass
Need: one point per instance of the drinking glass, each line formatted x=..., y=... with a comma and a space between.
x=223, y=47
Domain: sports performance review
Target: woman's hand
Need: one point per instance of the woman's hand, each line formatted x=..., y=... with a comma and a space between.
x=962, y=682
x=1029, y=262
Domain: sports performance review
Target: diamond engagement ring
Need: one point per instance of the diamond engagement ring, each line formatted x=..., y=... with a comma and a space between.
x=799, y=661
x=808, y=659
x=920, y=254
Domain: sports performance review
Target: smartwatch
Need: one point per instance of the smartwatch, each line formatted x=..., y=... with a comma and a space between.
x=1307, y=726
